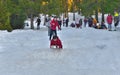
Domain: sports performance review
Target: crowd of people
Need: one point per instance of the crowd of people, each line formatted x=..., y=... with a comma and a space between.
x=54, y=23
x=92, y=22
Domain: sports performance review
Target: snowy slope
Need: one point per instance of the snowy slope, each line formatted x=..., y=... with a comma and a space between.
x=87, y=51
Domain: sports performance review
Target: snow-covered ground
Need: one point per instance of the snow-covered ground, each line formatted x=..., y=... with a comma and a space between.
x=87, y=51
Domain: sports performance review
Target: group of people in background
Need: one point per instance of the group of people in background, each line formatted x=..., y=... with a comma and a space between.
x=110, y=19
x=55, y=23
x=92, y=22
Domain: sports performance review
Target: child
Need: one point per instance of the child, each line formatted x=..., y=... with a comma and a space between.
x=56, y=42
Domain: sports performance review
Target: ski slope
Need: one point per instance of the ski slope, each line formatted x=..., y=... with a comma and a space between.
x=86, y=51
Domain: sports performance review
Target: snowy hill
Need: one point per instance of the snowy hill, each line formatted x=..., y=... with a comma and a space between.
x=87, y=51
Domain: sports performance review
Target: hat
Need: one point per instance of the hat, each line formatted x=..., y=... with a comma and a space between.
x=54, y=37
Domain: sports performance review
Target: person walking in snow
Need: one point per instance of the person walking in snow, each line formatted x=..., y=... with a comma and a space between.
x=109, y=21
x=53, y=25
x=38, y=22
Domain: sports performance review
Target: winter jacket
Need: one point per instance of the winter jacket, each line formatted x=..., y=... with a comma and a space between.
x=94, y=21
x=54, y=24
x=56, y=42
x=38, y=20
x=109, y=19
x=116, y=17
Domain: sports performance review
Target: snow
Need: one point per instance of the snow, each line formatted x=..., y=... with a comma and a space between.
x=86, y=51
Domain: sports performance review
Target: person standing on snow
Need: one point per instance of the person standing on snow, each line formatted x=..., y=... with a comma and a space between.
x=48, y=25
x=66, y=21
x=85, y=22
x=109, y=21
x=116, y=19
x=80, y=23
x=38, y=22
x=53, y=25
x=60, y=22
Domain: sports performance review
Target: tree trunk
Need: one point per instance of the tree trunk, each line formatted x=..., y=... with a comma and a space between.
x=32, y=19
x=96, y=11
x=103, y=20
x=79, y=11
x=73, y=11
x=102, y=6
x=73, y=16
x=96, y=15
x=45, y=20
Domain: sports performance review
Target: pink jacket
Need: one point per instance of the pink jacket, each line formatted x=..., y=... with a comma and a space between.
x=54, y=24
x=109, y=19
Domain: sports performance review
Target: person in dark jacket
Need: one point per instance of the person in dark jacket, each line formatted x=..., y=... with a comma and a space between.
x=80, y=22
x=56, y=42
x=67, y=20
x=60, y=22
x=90, y=21
x=38, y=22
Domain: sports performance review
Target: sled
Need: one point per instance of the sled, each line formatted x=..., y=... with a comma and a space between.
x=55, y=47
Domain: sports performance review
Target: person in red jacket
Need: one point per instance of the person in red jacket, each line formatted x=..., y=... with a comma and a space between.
x=56, y=42
x=53, y=25
x=109, y=21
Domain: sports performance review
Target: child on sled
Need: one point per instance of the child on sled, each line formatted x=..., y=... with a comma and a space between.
x=56, y=42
